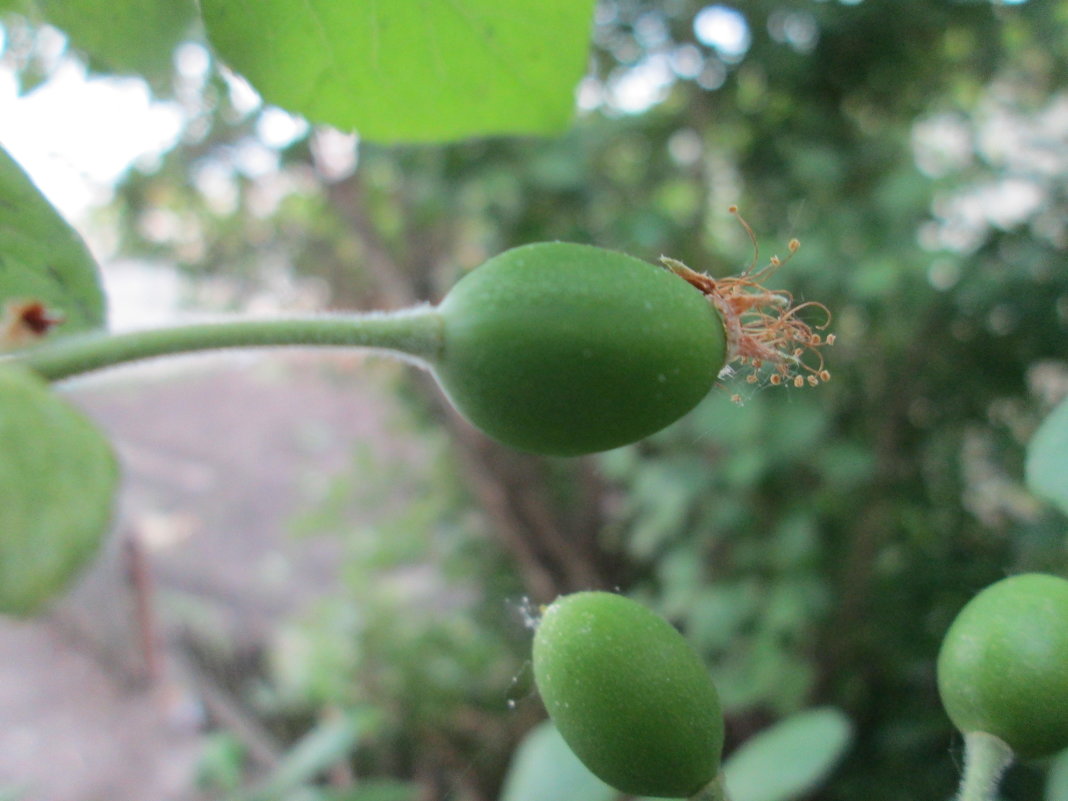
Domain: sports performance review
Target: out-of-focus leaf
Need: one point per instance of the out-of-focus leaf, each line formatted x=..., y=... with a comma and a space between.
x=719, y=610
x=221, y=763
x=329, y=742
x=1047, y=458
x=798, y=428
x=124, y=36
x=662, y=498
x=762, y=668
x=1057, y=780
x=790, y=759
x=545, y=769
x=41, y=257
x=58, y=480
x=409, y=70
x=845, y=465
x=375, y=790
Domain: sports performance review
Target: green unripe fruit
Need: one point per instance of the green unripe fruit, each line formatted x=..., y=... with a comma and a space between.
x=566, y=349
x=1003, y=667
x=629, y=695
x=58, y=478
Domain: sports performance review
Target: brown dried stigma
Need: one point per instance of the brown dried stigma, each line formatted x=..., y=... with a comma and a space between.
x=765, y=333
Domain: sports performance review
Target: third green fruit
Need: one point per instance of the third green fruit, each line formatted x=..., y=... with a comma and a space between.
x=1003, y=667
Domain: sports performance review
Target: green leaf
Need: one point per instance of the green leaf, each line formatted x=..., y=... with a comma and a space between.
x=375, y=790
x=58, y=480
x=42, y=258
x=1057, y=780
x=221, y=763
x=124, y=36
x=545, y=769
x=324, y=746
x=790, y=759
x=1047, y=458
x=408, y=70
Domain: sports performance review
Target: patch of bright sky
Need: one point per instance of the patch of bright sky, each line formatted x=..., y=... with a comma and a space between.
x=76, y=135
x=243, y=97
x=635, y=89
x=277, y=128
x=642, y=86
x=336, y=153
x=1024, y=161
x=725, y=29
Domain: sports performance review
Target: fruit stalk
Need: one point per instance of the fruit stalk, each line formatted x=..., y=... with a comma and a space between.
x=986, y=758
x=554, y=348
x=414, y=333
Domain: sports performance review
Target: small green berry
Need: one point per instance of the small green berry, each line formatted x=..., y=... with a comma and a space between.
x=629, y=695
x=58, y=479
x=1003, y=667
x=567, y=349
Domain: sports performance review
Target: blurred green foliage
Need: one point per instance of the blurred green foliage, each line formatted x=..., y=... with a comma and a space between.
x=814, y=544
x=427, y=633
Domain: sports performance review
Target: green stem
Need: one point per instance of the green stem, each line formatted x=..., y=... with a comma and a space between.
x=415, y=333
x=985, y=759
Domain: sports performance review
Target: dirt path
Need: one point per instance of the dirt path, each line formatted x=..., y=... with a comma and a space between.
x=216, y=461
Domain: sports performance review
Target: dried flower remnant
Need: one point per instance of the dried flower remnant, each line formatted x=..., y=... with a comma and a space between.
x=25, y=322
x=765, y=333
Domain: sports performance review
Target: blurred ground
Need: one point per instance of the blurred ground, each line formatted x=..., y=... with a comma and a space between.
x=216, y=460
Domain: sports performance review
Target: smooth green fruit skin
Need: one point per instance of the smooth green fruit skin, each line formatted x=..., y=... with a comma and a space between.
x=58, y=479
x=629, y=695
x=1003, y=666
x=568, y=349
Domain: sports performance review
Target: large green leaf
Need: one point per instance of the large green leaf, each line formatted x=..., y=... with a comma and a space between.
x=125, y=36
x=409, y=70
x=1047, y=458
x=41, y=257
x=790, y=759
x=545, y=769
x=58, y=479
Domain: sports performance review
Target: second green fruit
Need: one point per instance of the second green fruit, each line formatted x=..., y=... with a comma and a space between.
x=629, y=695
